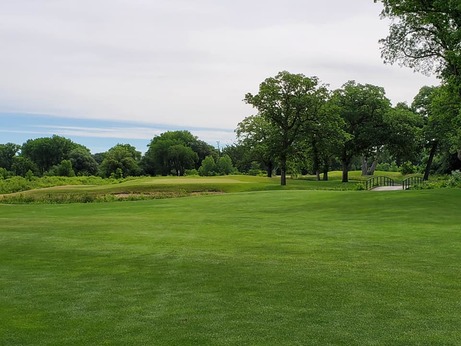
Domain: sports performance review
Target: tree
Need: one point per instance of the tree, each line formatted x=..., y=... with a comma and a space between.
x=208, y=166
x=425, y=35
x=22, y=165
x=122, y=158
x=405, y=139
x=48, y=151
x=8, y=152
x=64, y=169
x=442, y=122
x=83, y=163
x=286, y=103
x=224, y=165
x=255, y=134
x=325, y=135
x=181, y=158
x=240, y=156
x=362, y=108
x=158, y=160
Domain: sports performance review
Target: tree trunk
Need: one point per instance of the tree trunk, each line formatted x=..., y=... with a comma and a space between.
x=373, y=167
x=317, y=173
x=364, y=166
x=283, y=168
x=269, y=169
x=429, y=160
x=326, y=168
x=345, y=165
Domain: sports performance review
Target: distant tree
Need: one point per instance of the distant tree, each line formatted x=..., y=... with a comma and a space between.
x=240, y=156
x=122, y=158
x=99, y=157
x=405, y=134
x=181, y=158
x=208, y=167
x=48, y=151
x=224, y=165
x=64, y=169
x=325, y=135
x=22, y=165
x=255, y=138
x=158, y=158
x=362, y=108
x=8, y=152
x=83, y=162
x=286, y=103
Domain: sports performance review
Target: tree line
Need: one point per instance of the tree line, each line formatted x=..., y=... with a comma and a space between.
x=171, y=153
x=302, y=126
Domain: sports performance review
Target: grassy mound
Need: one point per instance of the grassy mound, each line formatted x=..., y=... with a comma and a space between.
x=68, y=190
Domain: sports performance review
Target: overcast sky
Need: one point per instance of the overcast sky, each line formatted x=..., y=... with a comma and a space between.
x=108, y=71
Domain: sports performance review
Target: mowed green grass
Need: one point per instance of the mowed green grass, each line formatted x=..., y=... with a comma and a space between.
x=261, y=268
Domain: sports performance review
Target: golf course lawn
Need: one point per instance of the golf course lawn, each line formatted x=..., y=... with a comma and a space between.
x=248, y=268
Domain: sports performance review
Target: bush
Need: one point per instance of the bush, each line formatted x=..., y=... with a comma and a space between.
x=407, y=168
x=455, y=179
x=208, y=167
x=191, y=172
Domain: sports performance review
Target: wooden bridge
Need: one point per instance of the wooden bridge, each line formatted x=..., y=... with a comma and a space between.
x=382, y=183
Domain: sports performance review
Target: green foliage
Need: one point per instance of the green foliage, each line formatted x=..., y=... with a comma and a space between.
x=8, y=152
x=407, y=168
x=47, y=152
x=121, y=160
x=287, y=103
x=173, y=152
x=191, y=172
x=405, y=133
x=14, y=184
x=208, y=167
x=64, y=169
x=224, y=165
x=363, y=108
x=4, y=173
x=31, y=182
x=22, y=166
x=83, y=163
x=181, y=158
x=455, y=179
x=425, y=35
x=387, y=167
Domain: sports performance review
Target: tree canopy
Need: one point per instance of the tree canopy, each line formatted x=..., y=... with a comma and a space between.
x=287, y=102
x=425, y=35
x=362, y=108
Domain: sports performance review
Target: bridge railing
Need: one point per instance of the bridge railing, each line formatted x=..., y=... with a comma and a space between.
x=379, y=181
x=411, y=181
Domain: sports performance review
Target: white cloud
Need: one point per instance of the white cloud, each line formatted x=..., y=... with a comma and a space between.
x=180, y=62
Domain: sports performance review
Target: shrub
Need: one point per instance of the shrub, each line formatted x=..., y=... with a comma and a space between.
x=191, y=172
x=407, y=168
x=455, y=179
x=208, y=167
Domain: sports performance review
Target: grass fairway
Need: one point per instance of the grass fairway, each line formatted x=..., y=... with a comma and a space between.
x=261, y=268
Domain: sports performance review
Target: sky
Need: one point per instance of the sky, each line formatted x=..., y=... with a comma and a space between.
x=102, y=72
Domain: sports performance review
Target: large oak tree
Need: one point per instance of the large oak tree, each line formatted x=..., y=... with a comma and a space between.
x=287, y=102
